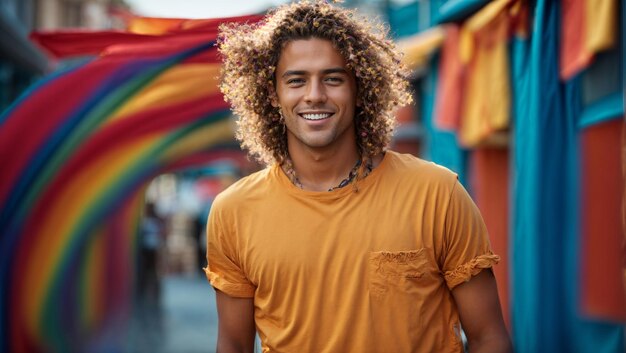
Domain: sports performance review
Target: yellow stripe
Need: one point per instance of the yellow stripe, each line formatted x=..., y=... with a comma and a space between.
x=94, y=267
x=214, y=133
x=178, y=84
x=79, y=195
x=63, y=215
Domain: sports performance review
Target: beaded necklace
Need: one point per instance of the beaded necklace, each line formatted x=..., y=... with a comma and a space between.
x=291, y=173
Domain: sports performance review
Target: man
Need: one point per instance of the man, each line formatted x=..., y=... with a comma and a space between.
x=339, y=245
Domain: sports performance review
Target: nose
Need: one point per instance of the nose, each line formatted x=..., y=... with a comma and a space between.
x=315, y=92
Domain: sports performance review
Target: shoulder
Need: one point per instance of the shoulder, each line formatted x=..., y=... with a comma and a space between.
x=244, y=190
x=409, y=167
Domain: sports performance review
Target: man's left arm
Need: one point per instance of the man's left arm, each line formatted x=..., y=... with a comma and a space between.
x=480, y=314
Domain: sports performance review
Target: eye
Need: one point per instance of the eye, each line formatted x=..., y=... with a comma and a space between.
x=334, y=79
x=295, y=81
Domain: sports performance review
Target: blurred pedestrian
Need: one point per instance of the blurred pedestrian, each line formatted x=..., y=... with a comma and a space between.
x=149, y=336
x=198, y=232
x=152, y=235
x=340, y=245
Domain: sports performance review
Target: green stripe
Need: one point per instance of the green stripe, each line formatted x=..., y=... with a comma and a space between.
x=96, y=210
x=50, y=328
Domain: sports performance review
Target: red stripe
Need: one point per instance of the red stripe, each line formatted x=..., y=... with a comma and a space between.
x=133, y=127
x=113, y=135
x=110, y=137
x=32, y=122
x=69, y=44
x=185, y=34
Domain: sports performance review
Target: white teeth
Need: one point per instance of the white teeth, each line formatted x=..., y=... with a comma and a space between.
x=316, y=116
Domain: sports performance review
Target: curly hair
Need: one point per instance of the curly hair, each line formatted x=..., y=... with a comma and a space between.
x=251, y=52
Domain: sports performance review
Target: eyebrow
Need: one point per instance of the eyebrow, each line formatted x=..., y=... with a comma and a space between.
x=333, y=70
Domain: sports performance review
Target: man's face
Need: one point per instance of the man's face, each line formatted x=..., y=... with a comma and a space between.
x=317, y=96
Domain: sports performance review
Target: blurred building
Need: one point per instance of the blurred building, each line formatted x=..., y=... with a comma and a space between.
x=562, y=71
x=92, y=14
x=404, y=18
x=21, y=62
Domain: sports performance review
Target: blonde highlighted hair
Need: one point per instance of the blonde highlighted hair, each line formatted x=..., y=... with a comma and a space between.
x=251, y=51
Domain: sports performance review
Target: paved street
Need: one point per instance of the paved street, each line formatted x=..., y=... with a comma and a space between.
x=187, y=322
x=189, y=315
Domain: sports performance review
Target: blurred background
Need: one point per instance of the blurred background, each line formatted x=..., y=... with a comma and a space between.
x=114, y=140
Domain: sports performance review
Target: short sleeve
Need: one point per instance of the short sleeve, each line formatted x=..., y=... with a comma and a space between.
x=466, y=242
x=224, y=271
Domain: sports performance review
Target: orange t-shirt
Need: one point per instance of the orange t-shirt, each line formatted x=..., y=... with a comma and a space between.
x=346, y=271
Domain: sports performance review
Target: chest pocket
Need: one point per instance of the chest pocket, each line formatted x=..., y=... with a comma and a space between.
x=397, y=271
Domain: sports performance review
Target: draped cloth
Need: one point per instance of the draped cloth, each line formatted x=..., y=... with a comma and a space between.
x=78, y=150
x=474, y=91
x=588, y=27
x=546, y=239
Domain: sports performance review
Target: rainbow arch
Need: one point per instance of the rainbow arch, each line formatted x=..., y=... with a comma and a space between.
x=77, y=151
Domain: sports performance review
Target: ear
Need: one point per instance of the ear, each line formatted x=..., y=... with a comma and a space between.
x=359, y=102
x=273, y=96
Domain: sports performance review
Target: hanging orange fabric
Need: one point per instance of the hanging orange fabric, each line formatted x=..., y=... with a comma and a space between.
x=449, y=96
x=588, y=27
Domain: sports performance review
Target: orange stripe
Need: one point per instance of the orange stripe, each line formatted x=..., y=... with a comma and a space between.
x=180, y=83
x=62, y=218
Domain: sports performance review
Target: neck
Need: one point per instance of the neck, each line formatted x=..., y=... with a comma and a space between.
x=319, y=170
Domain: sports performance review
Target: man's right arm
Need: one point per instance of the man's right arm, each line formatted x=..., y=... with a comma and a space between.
x=236, y=330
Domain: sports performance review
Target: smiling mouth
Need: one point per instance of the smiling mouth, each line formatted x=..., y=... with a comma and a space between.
x=316, y=116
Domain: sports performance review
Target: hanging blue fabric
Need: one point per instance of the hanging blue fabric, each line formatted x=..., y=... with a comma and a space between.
x=441, y=147
x=545, y=240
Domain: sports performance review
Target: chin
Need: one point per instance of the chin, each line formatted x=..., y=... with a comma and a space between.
x=317, y=141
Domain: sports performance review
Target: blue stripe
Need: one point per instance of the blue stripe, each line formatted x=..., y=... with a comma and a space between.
x=13, y=213
x=42, y=83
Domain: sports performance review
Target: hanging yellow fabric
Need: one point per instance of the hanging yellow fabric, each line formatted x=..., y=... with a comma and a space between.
x=486, y=106
x=418, y=48
x=588, y=27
